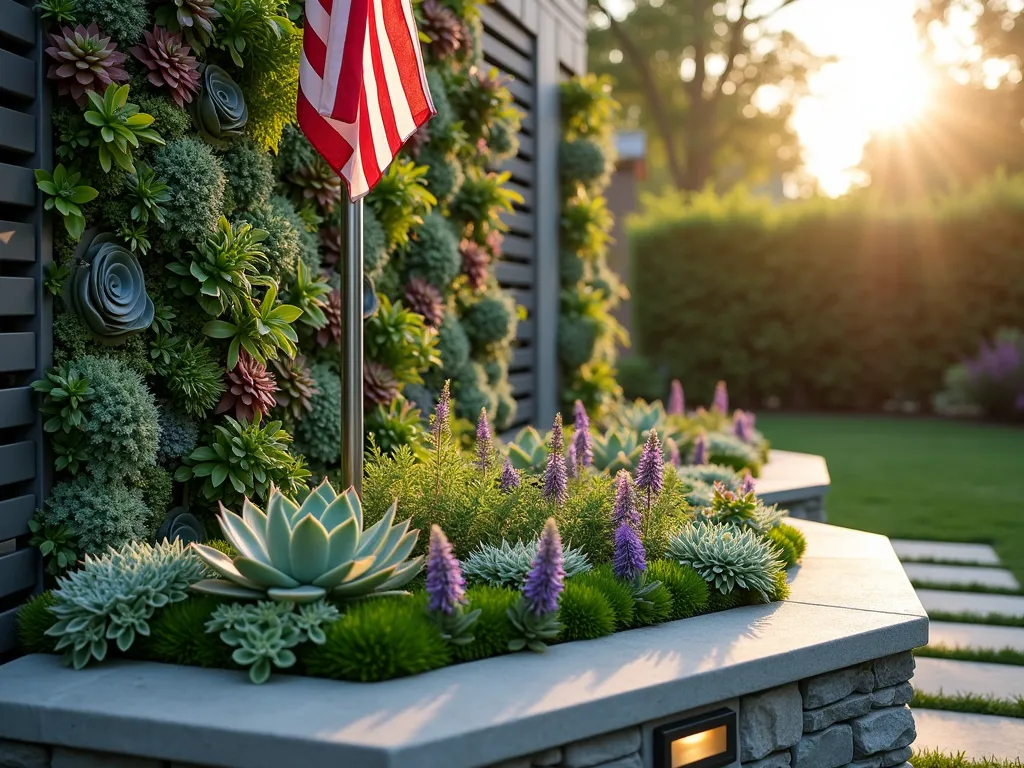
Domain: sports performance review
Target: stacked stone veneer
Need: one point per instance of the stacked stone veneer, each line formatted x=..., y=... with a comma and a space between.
x=856, y=717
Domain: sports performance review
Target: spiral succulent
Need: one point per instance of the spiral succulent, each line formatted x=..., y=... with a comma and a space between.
x=86, y=60
x=170, y=63
x=424, y=299
x=181, y=525
x=107, y=290
x=250, y=389
x=219, y=110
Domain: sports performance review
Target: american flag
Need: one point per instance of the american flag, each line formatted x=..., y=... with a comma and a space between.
x=362, y=86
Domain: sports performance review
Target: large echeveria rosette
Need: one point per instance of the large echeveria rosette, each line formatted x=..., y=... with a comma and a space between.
x=107, y=290
x=219, y=110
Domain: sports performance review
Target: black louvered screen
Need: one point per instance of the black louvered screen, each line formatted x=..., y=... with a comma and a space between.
x=25, y=334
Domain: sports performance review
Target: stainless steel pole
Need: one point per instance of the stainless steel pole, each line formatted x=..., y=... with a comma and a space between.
x=352, y=345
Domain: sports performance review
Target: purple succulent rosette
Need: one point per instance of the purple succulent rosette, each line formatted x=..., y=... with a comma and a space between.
x=107, y=290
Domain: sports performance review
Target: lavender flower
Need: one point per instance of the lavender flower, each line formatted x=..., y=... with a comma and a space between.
x=676, y=400
x=700, y=449
x=581, y=436
x=747, y=486
x=484, y=443
x=741, y=426
x=673, y=452
x=721, y=402
x=546, y=579
x=624, y=509
x=445, y=583
x=440, y=427
x=556, y=479
x=509, y=477
x=650, y=470
x=630, y=560
x=571, y=462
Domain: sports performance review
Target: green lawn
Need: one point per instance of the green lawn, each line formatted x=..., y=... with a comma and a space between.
x=918, y=478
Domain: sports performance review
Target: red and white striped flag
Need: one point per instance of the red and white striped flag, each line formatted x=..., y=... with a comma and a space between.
x=362, y=86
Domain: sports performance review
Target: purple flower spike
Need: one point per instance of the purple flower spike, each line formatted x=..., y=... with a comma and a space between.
x=484, y=443
x=676, y=400
x=445, y=583
x=509, y=477
x=556, y=478
x=630, y=560
x=624, y=510
x=721, y=403
x=650, y=470
x=747, y=486
x=571, y=462
x=440, y=426
x=673, y=452
x=741, y=426
x=700, y=449
x=546, y=579
x=581, y=436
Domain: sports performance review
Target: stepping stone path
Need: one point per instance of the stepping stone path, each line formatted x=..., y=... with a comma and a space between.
x=966, y=565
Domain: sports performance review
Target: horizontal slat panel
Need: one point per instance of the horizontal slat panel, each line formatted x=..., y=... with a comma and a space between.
x=509, y=274
x=17, y=352
x=17, y=22
x=523, y=93
x=14, y=516
x=522, y=383
x=517, y=247
x=17, y=572
x=17, y=241
x=508, y=59
x=521, y=170
x=520, y=222
x=501, y=25
x=525, y=297
x=524, y=331
x=8, y=627
x=17, y=462
x=17, y=185
x=522, y=357
x=525, y=146
x=17, y=296
x=528, y=124
x=525, y=410
x=17, y=131
x=17, y=75
x=17, y=407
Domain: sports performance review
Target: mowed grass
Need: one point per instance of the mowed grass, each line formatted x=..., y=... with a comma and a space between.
x=917, y=478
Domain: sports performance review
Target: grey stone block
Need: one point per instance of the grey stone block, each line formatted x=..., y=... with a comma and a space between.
x=852, y=706
x=770, y=721
x=896, y=757
x=21, y=754
x=547, y=758
x=516, y=762
x=75, y=758
x=774, y=760
x=830, y=748
x=601, y=749
x=883, y=730
x=894, y=669
x=867, y=762
x=892, y=696
x=904, y=693
x=630, y=761
x=826, y=689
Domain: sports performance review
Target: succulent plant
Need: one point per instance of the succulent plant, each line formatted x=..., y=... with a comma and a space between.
x=318, y=181
x=507, y=565
x=181, y=525
x=57, y=11
x=121, y=127
x=640, y=416
x=424, y=299
x=442, y=26
x=107, y=290
x=86, y=60
x=264, y=331
x=65, y=394
x=616, y=449
x=307, y=292
x=170, y=63
x=728, y=557
x=329, y=335
x=475, y=263
x=711, y=474
x=301, y=554
x=193, y=17
x=147, y=193
x=295, y=385
x=64, y=193
x=741, y=509
x=380, y=386
x=528, y=451
x=55, y=543
x=219, y=110
x=250, y=389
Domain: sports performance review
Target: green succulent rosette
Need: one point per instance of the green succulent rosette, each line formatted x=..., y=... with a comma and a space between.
x=219, y=110
x=107, y=290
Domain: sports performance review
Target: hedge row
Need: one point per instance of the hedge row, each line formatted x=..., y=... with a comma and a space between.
x=825, y=304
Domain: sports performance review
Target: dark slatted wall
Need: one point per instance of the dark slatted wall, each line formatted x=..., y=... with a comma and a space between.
x=24, y=314
x=510, y=48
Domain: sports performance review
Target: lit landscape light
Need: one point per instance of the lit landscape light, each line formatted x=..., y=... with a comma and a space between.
x=705, y=741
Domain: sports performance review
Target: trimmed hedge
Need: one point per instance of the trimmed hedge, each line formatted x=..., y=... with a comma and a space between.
x=824, y=303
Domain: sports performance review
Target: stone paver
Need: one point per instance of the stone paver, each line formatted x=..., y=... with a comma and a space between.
x=962, y=575
x=951, y=677
x=969, y=554
x=976, y=735
x=971, y=602
x=956, y=635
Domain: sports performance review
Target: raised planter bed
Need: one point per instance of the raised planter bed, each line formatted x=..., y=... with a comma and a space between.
x=817, y=680
x=797, y=482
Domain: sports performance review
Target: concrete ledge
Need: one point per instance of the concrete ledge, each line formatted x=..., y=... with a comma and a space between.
x=790, y=476
x=486, y=711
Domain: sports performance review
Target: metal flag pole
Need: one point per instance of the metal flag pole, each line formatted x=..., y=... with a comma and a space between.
x=352, y=345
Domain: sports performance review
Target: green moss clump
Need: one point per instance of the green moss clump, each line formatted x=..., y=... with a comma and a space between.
x=444, y=174
x=689, y=591
x=582, y=161
x=197, y=379
x=577, y=338
x=318, y=434
x=492, y=629
x=157, y=490
x=434, y=252
x=380, y=640
x=585, y=613
x=75, y=342
x=496, y=369
x=98, y=514
x=171, y=121
x=124, y=20
x=488, y=321
x=452, y=344
x=309, y=243
x=196, y=182
x=655, y=608
x=294, y=152
x=282, y=242
x=784, y=545
x=178, y=635
x=781, y=591
x=178, y=437
x=619, y=597
x=719, y=602
x=795, y=538
x=249, y=177
x=34, y=618
x=503, y=139
x=375, y=244
x=222, y=546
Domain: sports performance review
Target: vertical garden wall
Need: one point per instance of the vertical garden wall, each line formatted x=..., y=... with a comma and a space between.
x=193, y=293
